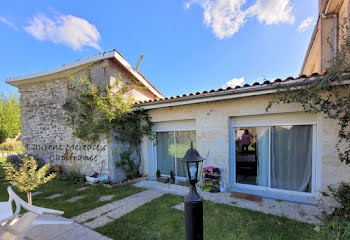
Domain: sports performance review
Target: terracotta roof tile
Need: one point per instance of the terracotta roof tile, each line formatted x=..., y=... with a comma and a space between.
x=256, y=84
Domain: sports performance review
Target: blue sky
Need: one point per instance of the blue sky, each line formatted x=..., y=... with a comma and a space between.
x=189, y=45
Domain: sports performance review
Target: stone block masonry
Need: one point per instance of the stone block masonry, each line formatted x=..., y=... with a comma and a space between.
x=45, y=129
x=46, y=132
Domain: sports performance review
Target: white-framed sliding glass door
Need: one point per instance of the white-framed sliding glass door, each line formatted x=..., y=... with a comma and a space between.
x=170, y=148
x=277, y=157
x=275, y=154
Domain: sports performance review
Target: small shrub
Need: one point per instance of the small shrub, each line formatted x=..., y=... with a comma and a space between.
x=336, y=229
x=158, y=173
x=342, y=195
x=17, y=160
x=172, y=174
x=28, y=176
x=337, y=226
x=73, y=177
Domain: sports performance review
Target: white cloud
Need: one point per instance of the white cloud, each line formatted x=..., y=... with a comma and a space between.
x=272, y=11
x=8, y=23
x=234, y=82
x=305, y=24
x=72, y=31
x=226, y=17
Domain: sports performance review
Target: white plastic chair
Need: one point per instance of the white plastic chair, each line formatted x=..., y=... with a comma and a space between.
x=13, y=227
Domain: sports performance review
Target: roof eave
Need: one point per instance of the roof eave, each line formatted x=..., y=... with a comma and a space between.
x=16, y=81
x=229, y=94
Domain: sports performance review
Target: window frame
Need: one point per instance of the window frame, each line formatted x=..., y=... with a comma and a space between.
x=265, y=121
x=155, y=157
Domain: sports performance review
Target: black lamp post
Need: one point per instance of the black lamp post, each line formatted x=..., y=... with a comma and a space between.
x=192, y=164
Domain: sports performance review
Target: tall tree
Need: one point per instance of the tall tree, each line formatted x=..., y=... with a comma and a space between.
x=10, y=115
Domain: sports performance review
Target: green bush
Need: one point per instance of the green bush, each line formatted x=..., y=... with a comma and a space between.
x=17, y=160
x=158, y=173
x=10, y=115
x=73, y=177
x=342, y=195
x=11, y=146
x=337, y=226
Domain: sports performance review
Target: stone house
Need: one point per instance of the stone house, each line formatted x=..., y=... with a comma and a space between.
x=45, y=129
x=289, y=154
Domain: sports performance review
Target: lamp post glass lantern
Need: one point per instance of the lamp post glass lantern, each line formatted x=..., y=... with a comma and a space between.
x=192, y=163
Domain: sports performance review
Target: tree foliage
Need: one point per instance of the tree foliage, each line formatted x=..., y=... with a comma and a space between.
x=28, y=177
x=326, y=94
x=92, y=109
x=10, y=116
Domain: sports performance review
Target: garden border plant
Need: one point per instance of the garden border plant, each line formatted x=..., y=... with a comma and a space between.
x=96, y=113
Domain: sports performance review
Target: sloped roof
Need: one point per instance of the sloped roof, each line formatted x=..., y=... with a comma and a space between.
x=256, y=88
x=114, y=54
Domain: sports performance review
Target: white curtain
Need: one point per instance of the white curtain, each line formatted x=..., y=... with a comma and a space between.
x=165, y=152
x=262, y=139
x=291, y=161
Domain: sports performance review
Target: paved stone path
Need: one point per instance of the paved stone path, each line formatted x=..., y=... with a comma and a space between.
x=111, y=211
x=105, y=198
x=36, y=193
x=56, y=195
x=74, y=199
x=73, y=231
x=180, y=207
x=301, y=212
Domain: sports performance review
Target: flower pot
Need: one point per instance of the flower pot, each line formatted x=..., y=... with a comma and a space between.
x=171, y=180
x=163, y=179
x=58, y=169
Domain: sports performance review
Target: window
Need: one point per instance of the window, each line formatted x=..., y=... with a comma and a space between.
x=171, y=148
x=275, y=157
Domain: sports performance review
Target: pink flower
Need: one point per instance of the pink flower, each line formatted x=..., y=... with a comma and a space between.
x=209, y=169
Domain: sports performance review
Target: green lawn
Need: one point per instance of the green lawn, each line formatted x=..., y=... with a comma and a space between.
x=69, y=190
x=158, y=220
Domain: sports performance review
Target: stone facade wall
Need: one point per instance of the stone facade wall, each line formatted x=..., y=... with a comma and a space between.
x=45, y=129
x=212, y=133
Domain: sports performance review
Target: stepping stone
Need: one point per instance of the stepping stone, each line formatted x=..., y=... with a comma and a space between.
x=36, y=193
x=56, y=195
x=180, y=207
x=108, y=212
x=105, y=198
x=6, y=183
x=82, y=188
x=76, y=198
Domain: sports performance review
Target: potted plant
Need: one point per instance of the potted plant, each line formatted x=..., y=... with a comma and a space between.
x=57, y=169
x=172, y=177
x=160, y=178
